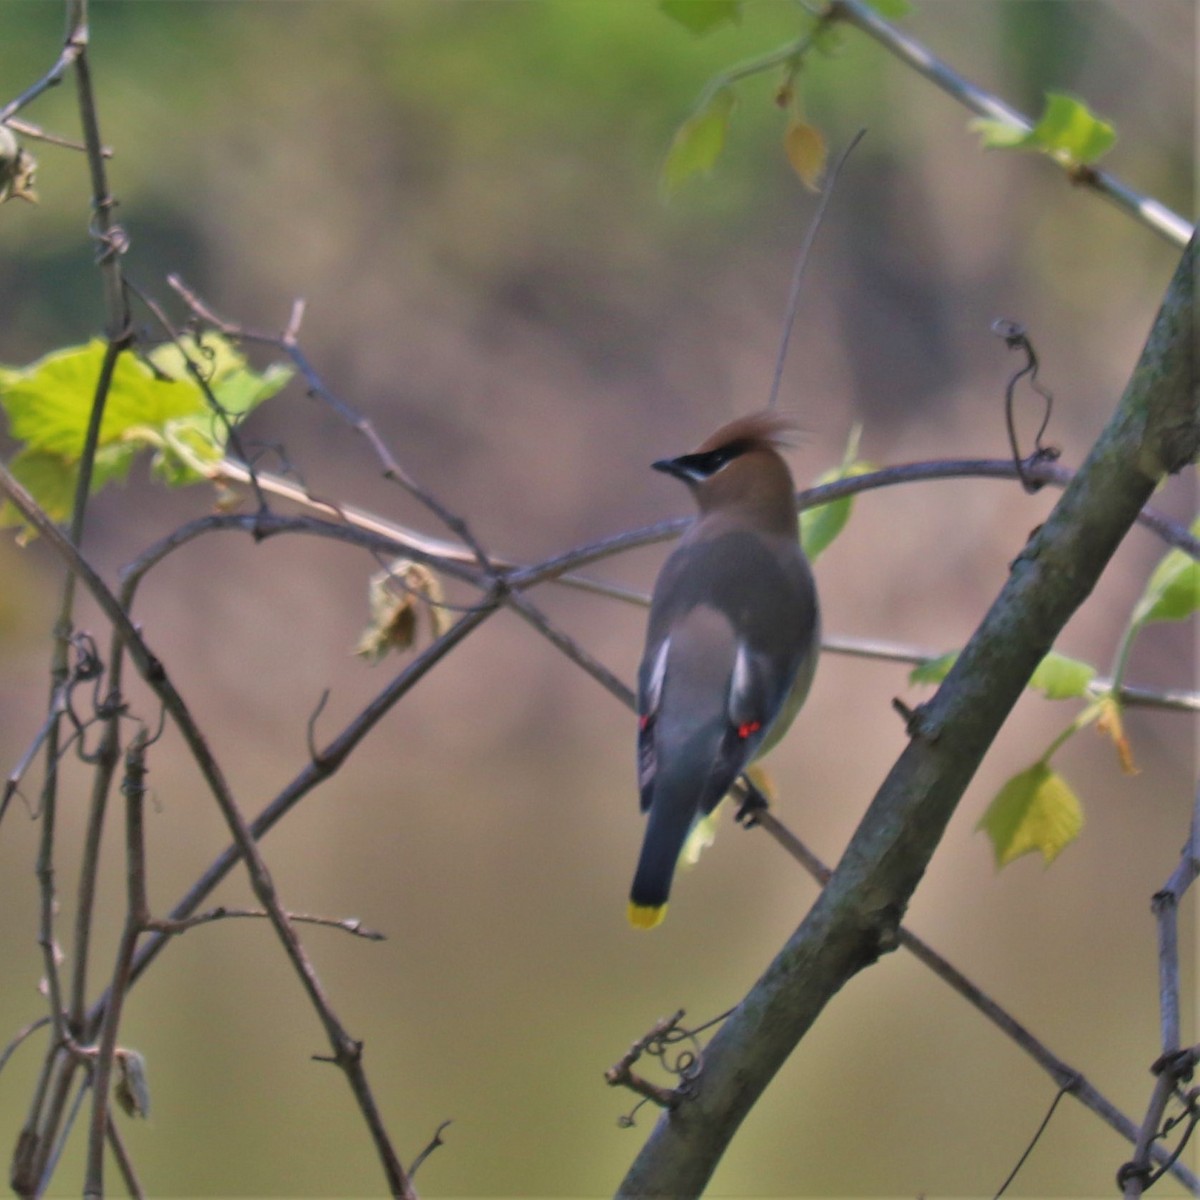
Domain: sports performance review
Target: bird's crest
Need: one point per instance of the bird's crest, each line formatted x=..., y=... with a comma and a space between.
x=767, y=429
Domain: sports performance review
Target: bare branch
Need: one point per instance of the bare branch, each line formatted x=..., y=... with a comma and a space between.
x=346, y=924
x=1173, y=1065
x=802, y=258
x=21, y=1036
x=434, y=1143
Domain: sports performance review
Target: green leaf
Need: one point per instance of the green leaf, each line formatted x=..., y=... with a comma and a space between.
x=1000, y=135
x=933, y=670
x=821, y=524
x=1035, y=810
x=1068, y=126
x=1067, y=129
x=51, y=480
x=1179, y=594
x=49, y=403
x=1173, y=589
x=698, y=141
x=157, y=404
x=702, y=16
x=893, y=10
x=238, y=388
x=189, y=444
x=1062, y=678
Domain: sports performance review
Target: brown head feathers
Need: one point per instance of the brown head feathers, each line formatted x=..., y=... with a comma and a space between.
x=764, y=430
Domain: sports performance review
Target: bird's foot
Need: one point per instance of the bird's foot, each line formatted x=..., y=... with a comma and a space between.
x=753, y=804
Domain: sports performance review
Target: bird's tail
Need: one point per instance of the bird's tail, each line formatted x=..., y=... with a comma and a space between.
x=666, y=832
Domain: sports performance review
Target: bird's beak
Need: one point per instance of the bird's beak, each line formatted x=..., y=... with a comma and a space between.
x=679, y=467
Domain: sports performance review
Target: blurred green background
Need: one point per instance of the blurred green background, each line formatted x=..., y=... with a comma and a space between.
x=466, y=195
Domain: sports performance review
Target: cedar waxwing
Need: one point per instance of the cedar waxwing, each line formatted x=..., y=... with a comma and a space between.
x=732, y=642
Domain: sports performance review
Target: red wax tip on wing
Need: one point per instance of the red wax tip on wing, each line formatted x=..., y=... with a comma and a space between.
x=747, y=728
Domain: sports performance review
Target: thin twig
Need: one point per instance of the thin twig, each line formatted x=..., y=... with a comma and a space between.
x=810, y=236
x=1172, y=1065
x=562, y=568
x=346, y=924
x=70, y=52
x=37, y=1138
x=30, y=130
x=22, y=1035
x=525, y=607
x=124, y=1162
x=434, y=1143
x=1037, y=1137
x=134, y=788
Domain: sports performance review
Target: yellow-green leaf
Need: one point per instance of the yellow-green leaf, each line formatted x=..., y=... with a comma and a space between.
x=821, y=524
x=702, y=16
x=49, y=403
x=157, y=404
x=236, y=387
x=1172, y=592
x=1067, y=129
x=51, y=480
x=806, y=151
x=1062, y=678
x=1000, y=135
x=1035, y=810
x=933, y=670
x=698, y=141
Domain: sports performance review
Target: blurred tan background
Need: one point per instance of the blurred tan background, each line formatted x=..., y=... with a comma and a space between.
x=466, y=194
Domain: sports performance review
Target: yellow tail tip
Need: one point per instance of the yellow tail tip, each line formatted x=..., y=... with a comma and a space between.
x=645, y=916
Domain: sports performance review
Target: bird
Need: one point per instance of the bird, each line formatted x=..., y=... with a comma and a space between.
x=732, y=642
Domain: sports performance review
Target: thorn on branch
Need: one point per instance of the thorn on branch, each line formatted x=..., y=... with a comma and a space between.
x=916, y=724
x=313, y=753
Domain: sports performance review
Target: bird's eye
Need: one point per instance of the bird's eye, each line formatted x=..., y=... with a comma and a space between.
x=712, y=461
